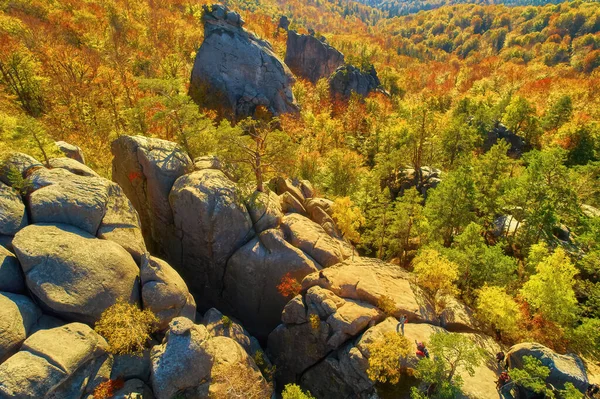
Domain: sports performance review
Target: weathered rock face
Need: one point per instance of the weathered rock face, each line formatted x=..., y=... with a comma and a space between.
x=21, y=163
x=348, y=79
x=71, y=151
x=146, y=169
x=308, y=236
x=240, y=68
x=12, y=211
x=18, y=315
x=73, y=166
x=253, y=274
x=563, y=368
x=188, y=362
x=231, y=252
x=73, y=273
x=51, y=364
x=164, y=292
x=11, y=276
x=211, y=223
x=345, y=302
x=310, y=57
x=324, y=341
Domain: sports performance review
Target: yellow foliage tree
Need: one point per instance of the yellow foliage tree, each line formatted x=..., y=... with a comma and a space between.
x=435, y=274
x=385, y=356
x=125, y=327
x=348, y=218
x=500, y=310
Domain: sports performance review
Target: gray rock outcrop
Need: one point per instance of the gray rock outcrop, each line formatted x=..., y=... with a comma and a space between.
x=239, y=68
x=188, y=362
x=563, y=368
x=348, y=79
x=73, y=273
x=11, y=276
x=164, y=292
x=51, y=364
x=71, y=151
x=311, y=58
x=146, y=169
x=323, y=343
x=12, y=211
x=18, y=315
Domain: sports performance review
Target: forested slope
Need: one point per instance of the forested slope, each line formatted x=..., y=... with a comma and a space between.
x=518, y=232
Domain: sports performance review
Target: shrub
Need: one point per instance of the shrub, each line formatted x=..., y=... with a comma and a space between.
x=385, y=356
x=237, y=381
x=289, y=286
x=314, y=321
x=293, y=391
x=107, y=389
x=125, y=327
x=387, y=305
x=227, y=323
x=267, y=370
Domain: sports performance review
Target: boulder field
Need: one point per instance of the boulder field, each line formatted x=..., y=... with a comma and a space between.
x=171, y=232
x=232, y=252
x=74, y=245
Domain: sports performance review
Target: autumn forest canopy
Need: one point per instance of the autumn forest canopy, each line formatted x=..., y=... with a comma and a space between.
x=476, y=165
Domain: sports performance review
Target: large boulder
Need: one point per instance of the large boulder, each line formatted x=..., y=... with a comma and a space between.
x=337, y=305
x=59, y=196
x=265, y=211
x=11, y=276
x=51, y=364
x=348, y=79
x=121, y=223
x=164, y=292
x=211, y=223
x=368, y=280
x=343, y=373
x=146, y=169
x=311, y=238
x=19, y=164
x=71, y=151
x=73, y=273
x=310, y=57
x=563, y=368
x=240, y=69
x=73, y=166
x=18, y=315
x=13, y=216
x=193, y=363
x=253, y=274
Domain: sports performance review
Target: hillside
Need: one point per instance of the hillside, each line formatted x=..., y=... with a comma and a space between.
x=392, y=8
x=285, y=184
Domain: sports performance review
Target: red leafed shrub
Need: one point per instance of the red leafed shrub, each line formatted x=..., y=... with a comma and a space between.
x=133, y=176
x=108, y=388
x=289, y=286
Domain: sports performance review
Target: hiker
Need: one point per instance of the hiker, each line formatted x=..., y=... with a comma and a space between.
x=401, y=322
x=592, y=390
x=502, y=380
x=421, y=350
x=500, y=358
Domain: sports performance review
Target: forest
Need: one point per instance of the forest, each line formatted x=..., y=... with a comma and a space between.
x=421, y=174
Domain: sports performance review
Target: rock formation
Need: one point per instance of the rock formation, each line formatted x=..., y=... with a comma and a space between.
x=232, y=253
x=348, y=79
x=83, y=249
x=330, y=356
x=195, y=363
x=563, y=368
x=239, y=69
x=310, y=57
